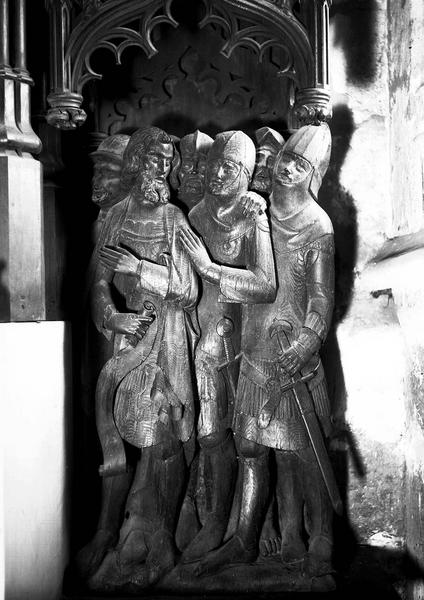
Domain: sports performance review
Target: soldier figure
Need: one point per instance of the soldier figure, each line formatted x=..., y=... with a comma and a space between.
x=144, y=295
x=266, y=418
x=234, y=227
x=107, y=176
x=194, y=149
x=268, y=144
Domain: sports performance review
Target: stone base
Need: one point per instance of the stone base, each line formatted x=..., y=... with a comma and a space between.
x=263, y=576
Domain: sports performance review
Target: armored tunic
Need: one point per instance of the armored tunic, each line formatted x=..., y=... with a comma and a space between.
x=151, y=382
x=245, y=244
x=303, y=248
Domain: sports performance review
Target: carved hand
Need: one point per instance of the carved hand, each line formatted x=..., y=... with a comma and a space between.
x=119, y=260
x=300, y=351
x=128, y=323
x=196, y=250
x=253, y=205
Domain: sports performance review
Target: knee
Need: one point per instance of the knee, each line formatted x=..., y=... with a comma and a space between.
x=249, y=449
x=213, y=440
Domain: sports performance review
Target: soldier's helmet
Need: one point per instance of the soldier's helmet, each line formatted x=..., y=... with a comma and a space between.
x=313, y=143
x=266, y=136
x=197, y=142
x=112, y=148
x=236, y=146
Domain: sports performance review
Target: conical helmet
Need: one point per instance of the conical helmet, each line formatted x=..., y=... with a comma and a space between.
x=265, y=136
x=312, y=142
x=236, y=146
x=193, y=143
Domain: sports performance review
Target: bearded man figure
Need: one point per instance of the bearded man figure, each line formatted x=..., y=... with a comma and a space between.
x=143, y=295
x=268, y=144
x=234, y=227
x=280, y=344
x=194, y=149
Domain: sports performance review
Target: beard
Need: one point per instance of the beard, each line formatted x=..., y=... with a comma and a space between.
x=156, y=191
x=261, y=181
x=191, y=189
x=105, y=198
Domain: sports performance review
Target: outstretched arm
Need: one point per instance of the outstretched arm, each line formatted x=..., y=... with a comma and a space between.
x=254, y=284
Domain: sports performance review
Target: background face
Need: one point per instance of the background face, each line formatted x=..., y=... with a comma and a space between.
x=106, y=181
x=265, y=160
x=192, y=177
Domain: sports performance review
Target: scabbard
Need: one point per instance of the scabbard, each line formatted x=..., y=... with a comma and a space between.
x=306, y=408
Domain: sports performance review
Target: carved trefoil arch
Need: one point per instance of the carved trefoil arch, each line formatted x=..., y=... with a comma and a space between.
x=80, y=27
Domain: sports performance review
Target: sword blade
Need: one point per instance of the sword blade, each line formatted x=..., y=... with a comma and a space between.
x=304, y=403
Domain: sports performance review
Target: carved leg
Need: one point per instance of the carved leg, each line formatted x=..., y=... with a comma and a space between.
x=270, y=540
x=290, y=505
x=146, y=550
x=243, y=546
x=220, y=473
x=188, y=523
x=319, y=518
x=114, y=494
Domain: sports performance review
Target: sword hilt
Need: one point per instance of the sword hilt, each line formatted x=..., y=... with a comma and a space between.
x=281, y=329
x=225, y=329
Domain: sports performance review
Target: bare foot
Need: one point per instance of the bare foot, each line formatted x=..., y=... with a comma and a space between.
x=89, y=558
x=270, y=542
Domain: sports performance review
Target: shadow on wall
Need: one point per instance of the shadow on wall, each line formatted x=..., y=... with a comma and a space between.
x=355, y=31
x=4, y=294
x=340, y=206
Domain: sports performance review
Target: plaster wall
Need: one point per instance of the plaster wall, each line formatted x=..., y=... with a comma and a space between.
x=368, y=392
x=378, y=84
x=33, y=372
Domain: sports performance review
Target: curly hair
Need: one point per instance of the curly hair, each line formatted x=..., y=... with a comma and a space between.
x=137, y=148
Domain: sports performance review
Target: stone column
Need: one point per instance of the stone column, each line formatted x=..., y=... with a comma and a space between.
x=22, y=293
x=313, y=103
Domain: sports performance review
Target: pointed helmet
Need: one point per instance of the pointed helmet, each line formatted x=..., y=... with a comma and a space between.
x=236, y=146
x=265, y=136
x=197, y=142
x=312, y=142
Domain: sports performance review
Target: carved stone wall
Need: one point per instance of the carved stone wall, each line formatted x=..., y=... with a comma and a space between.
x=190, y=84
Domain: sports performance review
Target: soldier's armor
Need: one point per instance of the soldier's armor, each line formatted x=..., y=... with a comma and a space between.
x=303, y=249
x=232, y=246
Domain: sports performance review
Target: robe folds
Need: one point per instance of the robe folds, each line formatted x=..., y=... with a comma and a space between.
x=145, y=391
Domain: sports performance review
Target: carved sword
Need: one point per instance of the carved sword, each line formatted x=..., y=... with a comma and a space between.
x=225, y=329
x=282, y=329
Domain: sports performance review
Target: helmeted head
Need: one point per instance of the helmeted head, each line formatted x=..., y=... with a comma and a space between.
x=194, y=149
x=304, y=158
x=108, y=160
x=268, y=144
x=148, y=160
x=230, y=164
